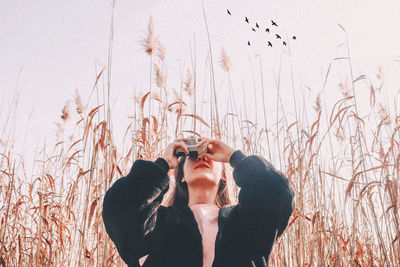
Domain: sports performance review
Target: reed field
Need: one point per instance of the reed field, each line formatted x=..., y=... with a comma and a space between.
x=344, y=165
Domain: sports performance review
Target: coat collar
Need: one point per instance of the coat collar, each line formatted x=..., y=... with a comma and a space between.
x=223, y=214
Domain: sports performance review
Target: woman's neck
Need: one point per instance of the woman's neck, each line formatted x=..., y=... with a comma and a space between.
x=203, y=195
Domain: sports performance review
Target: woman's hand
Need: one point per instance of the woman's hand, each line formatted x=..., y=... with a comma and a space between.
x=216, y=150
x=169, y=154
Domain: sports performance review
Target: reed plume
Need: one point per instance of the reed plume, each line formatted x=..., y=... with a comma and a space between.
x=65, y=113
x=151, y=42
x=161, y=51
x=188, y=84
x=225, y=61
x=160, y=80
x=78, y=102
x=346, y=89
x=384, y=114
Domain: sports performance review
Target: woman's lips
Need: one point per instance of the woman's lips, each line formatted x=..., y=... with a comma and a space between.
x=202, y=166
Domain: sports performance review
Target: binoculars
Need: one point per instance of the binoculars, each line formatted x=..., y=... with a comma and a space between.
x=192, y=145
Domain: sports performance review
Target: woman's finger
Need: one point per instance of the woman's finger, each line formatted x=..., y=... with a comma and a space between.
x=206, y=146
x=183, y=146
x=202, y=144
x=203, y=139
x=208, y=156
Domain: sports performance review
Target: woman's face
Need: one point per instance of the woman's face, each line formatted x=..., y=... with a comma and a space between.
x=202, y=171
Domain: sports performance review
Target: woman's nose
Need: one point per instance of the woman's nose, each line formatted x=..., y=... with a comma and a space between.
x=203, y=158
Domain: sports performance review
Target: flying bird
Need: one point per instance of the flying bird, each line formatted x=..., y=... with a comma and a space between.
x=246, y=19
x=257, y=25
x=248, y=42
x=267, y=30
x=294, y=37
x=229, y=12
x=253, y=29
x=284, y=43
x=273, y=23
x=278, y=36
x=269, y=44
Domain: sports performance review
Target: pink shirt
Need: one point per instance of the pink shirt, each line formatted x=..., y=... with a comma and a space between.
x=206, y=216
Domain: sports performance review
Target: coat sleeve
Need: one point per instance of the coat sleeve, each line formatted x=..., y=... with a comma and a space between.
x=132, y=208
x=265, y=205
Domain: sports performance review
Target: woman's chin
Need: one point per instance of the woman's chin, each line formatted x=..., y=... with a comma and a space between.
x=202, y=181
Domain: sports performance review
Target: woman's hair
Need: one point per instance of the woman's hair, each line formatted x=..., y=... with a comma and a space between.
x=180, y=194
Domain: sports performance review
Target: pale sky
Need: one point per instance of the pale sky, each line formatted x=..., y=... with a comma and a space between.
x=50, y=48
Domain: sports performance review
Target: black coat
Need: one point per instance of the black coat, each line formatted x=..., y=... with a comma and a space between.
x=139, y=225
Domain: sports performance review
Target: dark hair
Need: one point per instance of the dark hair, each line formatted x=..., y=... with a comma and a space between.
x=180, y=194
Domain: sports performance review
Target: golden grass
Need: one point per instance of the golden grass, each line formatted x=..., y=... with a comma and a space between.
x=346, y=181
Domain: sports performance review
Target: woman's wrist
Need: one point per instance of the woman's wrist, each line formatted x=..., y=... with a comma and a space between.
x=230, y=153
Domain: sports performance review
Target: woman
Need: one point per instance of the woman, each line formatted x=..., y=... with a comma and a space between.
x=199, y=229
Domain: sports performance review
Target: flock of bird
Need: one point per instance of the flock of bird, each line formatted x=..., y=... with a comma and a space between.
x=267, y=30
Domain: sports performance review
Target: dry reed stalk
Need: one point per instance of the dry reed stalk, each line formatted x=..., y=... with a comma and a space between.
x=161, y=83
x=150, y=45
x=226, y=66
x=218, y=130
x=264, y=109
